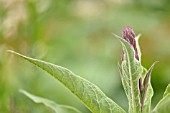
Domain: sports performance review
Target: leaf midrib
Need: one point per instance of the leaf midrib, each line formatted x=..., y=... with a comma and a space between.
x=131, y=83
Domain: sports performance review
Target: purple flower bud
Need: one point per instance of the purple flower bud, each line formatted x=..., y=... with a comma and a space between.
x=129, y=35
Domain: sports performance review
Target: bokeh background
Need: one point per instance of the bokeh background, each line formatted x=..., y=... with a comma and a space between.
x=77, y=34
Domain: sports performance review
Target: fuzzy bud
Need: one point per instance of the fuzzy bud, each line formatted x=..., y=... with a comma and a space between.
x=129, y=35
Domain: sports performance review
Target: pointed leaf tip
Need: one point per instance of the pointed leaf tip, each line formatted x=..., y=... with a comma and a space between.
x=149, y=74
x=138, y=36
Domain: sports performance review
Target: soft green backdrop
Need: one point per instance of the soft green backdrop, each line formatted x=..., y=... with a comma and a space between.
x=76, y=34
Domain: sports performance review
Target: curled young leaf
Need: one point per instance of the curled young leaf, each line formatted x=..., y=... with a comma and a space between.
x=147, y=91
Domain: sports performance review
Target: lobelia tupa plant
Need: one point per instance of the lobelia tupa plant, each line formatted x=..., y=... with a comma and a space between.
x=135, y=79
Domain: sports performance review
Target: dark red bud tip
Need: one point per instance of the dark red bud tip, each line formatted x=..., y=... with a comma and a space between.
x=129, y=35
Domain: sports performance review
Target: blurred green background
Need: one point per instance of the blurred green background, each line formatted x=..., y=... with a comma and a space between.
x=76, y=34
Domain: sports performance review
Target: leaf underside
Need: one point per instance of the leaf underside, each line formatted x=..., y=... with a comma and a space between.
x=50, y=104
x=88, y=93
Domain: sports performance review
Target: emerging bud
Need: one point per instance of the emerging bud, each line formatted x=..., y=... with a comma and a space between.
x=129, y=35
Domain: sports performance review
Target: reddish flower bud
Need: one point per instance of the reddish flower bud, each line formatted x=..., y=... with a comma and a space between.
x=129, y=35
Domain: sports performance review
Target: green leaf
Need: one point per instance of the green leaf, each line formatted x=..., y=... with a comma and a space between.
x=89, y=94
x=167, y=91
x=163, y=105
x=131, y=70
x=50, y=104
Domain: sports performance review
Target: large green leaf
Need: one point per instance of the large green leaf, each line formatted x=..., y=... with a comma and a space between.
x=163, y=105
x=131, y=70
x=167, y=91
x=90, y=95
x=50, y=104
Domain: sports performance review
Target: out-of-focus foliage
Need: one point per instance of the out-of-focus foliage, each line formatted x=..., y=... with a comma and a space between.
x=51, y=104
x=77, y=34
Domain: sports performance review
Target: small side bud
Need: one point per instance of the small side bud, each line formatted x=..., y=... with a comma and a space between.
x=141, y=87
